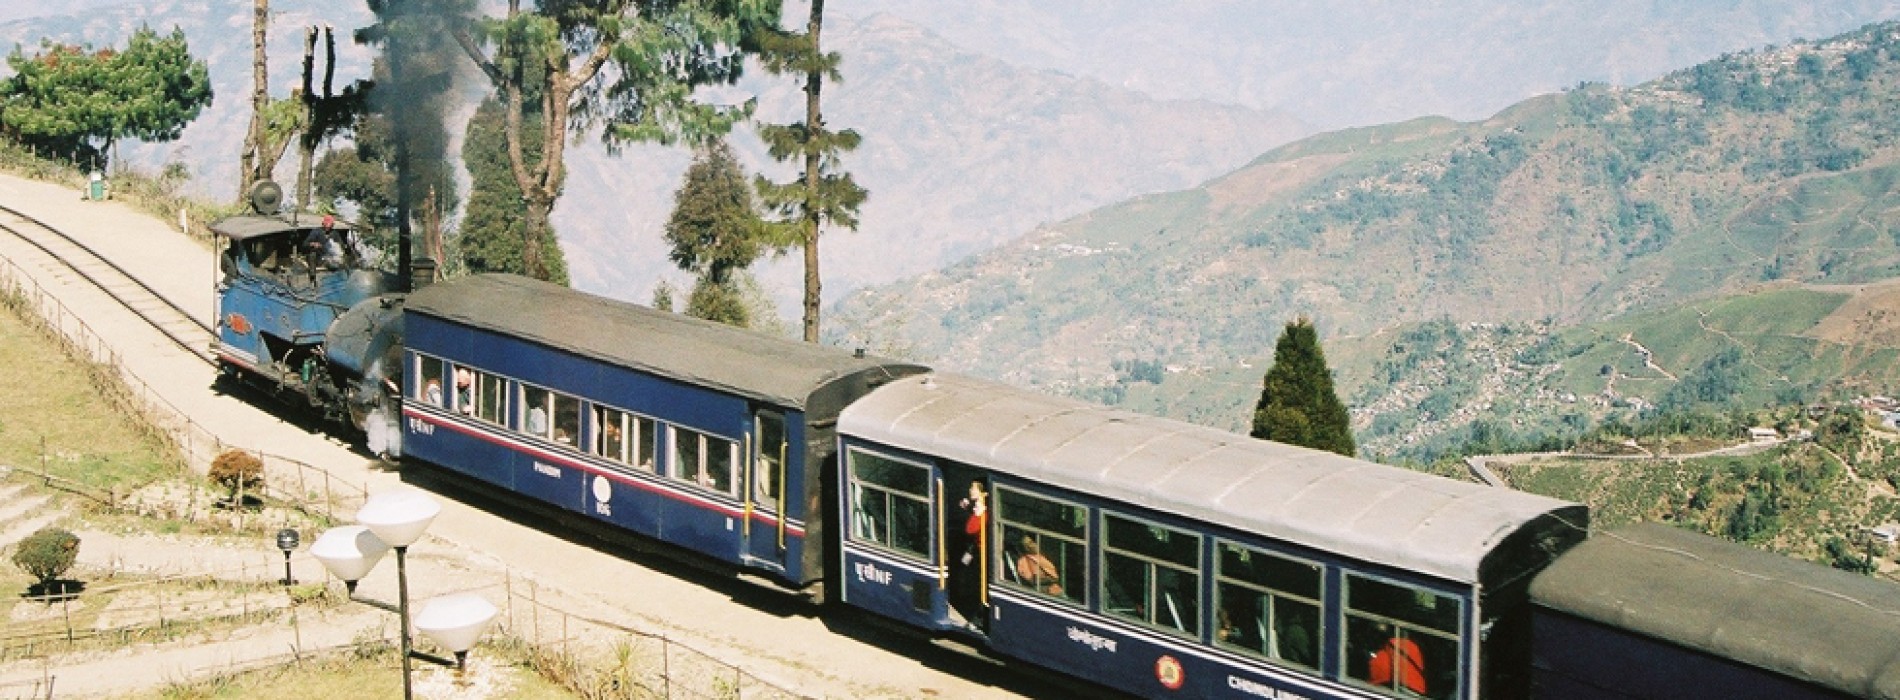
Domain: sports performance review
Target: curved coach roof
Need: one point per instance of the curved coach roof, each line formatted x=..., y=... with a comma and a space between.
x=1763, y=609
x=760, y=367
x=1356, y=508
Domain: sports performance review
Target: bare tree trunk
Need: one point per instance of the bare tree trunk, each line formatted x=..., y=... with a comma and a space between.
x=814, y=81
x=306, y=146
x=540, y=183
x=260, y=98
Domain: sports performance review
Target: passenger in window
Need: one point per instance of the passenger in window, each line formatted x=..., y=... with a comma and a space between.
x=432, y=393
x=465, y=390
x=538, y=421
x=1036, y=570
x=1244, y=634
x=1294, y=627
x=610, y=441
x=1399, y=659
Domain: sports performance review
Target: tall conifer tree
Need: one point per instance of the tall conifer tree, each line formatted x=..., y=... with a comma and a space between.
x=822, y=193
x=1297, y=402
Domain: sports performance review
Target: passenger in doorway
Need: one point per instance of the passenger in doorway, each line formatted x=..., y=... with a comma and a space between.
x=966, y=596
x=1036, y=570
x=1399, y=659
x=976, y=510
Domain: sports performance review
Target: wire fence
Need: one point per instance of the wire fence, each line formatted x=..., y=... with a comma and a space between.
x=596, y=657
x=287, y=481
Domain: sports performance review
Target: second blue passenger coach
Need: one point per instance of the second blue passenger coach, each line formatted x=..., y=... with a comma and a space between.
x=1174, y=560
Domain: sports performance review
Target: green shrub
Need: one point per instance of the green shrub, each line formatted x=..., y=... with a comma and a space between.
x=47, y=555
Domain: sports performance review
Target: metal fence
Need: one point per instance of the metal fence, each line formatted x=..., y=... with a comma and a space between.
x=287, y=481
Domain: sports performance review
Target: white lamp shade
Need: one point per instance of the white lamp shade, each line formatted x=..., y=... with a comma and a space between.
x=456, y=621
x=349, y=552
x=398, y=517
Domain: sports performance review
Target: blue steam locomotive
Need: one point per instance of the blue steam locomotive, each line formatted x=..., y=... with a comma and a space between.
x=1151, y=556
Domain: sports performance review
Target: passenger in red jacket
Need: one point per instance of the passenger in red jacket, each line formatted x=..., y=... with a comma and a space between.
x=1399, y=656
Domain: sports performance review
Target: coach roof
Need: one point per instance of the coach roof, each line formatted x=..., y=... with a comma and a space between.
x=754, y=365
x=1322, y=500
x=1764, y=609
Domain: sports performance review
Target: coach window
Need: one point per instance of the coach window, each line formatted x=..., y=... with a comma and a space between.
x=534, y=415
x=428, y=387
x=890, y=502
x=491, y=396
x=567, y=420
x=1402, y=639
x=1151, y=573
x=644, y=432
x=1044, y=545
x=703, y=459
x=1267, y=605
x=610, y=434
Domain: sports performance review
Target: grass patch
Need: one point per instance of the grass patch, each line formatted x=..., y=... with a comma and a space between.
x=56, y=415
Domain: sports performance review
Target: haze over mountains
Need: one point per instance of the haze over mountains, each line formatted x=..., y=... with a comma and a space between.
x=985, y=119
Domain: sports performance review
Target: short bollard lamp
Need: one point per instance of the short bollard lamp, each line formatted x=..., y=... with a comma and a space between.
x=395, y=520
x=287, y=541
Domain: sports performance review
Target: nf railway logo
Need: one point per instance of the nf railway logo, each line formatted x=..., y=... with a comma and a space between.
x=1168, y=671
x=238, y=323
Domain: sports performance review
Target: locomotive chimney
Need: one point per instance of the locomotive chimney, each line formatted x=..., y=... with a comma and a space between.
x=421, y=272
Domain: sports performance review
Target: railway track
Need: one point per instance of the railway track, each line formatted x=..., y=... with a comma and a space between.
x=188, y=332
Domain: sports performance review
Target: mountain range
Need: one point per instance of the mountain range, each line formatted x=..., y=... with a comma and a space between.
x=1565, y=211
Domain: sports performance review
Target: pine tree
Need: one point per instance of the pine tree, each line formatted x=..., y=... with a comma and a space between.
x=822, y=193
x=715, y=232
x=1297, y=402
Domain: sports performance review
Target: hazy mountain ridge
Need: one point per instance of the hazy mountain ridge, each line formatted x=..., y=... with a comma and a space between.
x=950, y=179
x=1771, y=165
x=961, y=152
x=1339, y=64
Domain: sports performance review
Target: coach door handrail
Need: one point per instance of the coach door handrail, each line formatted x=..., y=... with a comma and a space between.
x=750, y=483
x=943, y=541
x=781, y=495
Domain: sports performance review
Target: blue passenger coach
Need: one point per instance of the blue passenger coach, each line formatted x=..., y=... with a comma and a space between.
x=1172, y=560
x=694, y=433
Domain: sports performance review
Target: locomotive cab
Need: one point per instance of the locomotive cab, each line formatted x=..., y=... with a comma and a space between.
x=285, y=281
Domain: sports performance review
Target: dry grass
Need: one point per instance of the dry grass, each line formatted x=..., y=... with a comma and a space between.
x=52, y=415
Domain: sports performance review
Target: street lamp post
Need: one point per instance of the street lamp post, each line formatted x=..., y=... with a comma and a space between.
x=287, y=541
x=398, y=518
x=395, y=520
